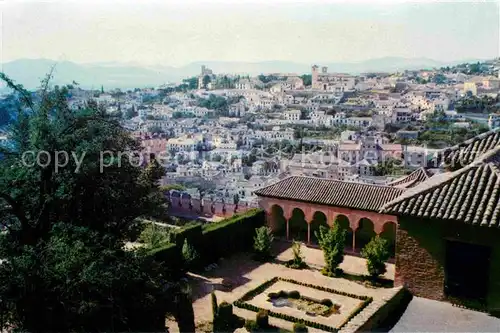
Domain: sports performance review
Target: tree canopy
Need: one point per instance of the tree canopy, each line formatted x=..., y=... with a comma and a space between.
x=71, y=190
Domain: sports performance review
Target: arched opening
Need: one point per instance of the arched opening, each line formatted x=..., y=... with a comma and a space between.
x=278, y=223
x=389, y=233
x=343, y=222
x=297, y=225
x=319, y=219
x=364, y=233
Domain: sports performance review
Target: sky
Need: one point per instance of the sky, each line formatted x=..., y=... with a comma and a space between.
x=176, y=33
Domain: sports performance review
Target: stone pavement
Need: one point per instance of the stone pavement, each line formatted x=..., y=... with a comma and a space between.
x=351, y=264
x=239, y=274
x=424, y=315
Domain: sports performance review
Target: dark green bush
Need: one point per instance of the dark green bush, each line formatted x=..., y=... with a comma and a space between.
x=294, y=294
x=251, y=325
x=282, y=294
x=327, y=302
x=272, y=295
x=262, y=319
x=299, y=327
x=225, y=311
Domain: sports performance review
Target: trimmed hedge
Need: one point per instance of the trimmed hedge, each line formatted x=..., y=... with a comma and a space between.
x=213, y=240
x=231, y=235
x=329, y=290
x=242, y=303
x=170, y=254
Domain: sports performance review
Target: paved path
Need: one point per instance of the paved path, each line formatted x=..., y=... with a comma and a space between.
x=424, y=315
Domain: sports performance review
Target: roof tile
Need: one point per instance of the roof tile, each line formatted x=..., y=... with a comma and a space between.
x=331, y=192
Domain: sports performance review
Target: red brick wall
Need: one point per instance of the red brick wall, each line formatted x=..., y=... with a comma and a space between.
x=419, y=257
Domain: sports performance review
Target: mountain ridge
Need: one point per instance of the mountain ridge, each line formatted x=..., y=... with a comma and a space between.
x=29, y=72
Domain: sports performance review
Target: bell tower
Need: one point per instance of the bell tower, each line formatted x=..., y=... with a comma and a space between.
x=314, y=76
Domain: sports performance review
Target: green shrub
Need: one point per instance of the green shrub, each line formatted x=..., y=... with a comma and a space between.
x=263, y=241
x=225, y=320
x=299, y=327
x=282, y=294
x=239, y=322
x=294, y=294
x=262, y=319
x=376, y=253
x=273, y=295
x=327, y=302
x=297, y=262
x=225, y=310
x=251, y=325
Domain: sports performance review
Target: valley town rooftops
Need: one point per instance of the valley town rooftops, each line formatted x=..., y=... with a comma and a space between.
x=331, y=192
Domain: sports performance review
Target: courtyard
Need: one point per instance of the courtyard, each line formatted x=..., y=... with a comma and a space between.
x=239, y=274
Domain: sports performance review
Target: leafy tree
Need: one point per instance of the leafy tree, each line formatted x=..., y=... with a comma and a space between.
x=307, y=79
x=131, y=113
x=376, y=253
x=262, y=242
x=206, y=80
x=65, y=267
x=191, y=83
x=439, y=78
x=331, y=241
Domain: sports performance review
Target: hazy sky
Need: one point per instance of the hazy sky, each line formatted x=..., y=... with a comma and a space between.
x=179, y=32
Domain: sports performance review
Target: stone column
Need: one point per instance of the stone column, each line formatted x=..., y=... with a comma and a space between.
x=308, y=233
x=287, y=213
x=287, y=229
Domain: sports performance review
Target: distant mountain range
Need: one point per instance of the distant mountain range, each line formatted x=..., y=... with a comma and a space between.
x=29, y=72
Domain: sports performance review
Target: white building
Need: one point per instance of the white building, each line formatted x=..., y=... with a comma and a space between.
x=292, y=114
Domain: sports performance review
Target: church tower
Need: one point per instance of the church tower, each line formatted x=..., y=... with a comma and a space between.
x=314, y=76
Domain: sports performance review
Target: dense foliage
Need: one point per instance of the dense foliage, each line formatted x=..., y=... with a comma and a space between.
x=67, y=218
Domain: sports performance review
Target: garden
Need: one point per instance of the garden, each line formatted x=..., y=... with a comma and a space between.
x=313, y=305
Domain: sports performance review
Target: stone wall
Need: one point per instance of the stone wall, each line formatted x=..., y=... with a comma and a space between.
x=419, y=259
x=421, y=256
x=377, y=312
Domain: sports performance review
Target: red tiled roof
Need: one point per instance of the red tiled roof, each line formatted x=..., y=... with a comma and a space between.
x=466, y=152
x=411, y=180
x=331, y=192
x=469, y=195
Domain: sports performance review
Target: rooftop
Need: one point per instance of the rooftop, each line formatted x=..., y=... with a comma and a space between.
x=331, y=192
x=470, y=195
x=411, y=180
x=466, y=152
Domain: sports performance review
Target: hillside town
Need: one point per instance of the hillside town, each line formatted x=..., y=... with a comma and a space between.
x=224, y=136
